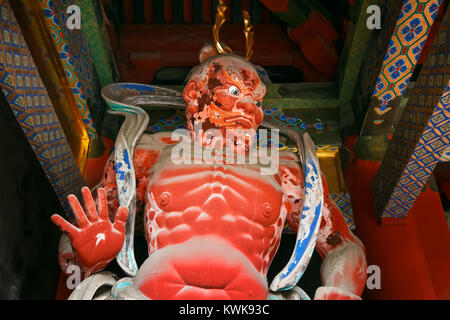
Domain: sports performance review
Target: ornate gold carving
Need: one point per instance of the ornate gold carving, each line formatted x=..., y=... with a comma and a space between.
x=330, y=165
x=220, y=19
x=248, y=34
x=248, y=31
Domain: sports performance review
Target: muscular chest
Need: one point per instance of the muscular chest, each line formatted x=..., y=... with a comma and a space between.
x=217, y=190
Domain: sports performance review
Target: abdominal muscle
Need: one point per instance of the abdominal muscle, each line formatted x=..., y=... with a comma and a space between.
x=216, y=242
x=203, y=267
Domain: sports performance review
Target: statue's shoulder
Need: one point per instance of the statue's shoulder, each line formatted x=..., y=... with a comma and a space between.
x=289, y=158
x=156, y=141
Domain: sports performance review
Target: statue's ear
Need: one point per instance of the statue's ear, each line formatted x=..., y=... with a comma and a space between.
x=191, y=93
x=207, y=51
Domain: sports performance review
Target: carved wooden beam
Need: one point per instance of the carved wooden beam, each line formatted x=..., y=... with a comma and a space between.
x=24, y=91
x=421, y=136
x=405, y=45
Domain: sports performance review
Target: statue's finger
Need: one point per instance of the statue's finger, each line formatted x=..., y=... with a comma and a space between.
x=89, y=204
x=78, y=211
x=64, y=225
x=121, y=219
x=102, y=204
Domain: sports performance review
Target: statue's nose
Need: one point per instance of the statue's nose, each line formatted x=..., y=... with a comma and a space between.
x=247, y=106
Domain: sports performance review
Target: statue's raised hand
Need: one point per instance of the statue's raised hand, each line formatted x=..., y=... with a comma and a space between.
x=96, y=241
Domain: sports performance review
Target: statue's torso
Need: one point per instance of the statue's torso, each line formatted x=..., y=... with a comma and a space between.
x=233, y=202
x=212, y=229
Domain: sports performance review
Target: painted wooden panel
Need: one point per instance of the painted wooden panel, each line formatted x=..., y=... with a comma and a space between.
x=405, y=46
x=421, y=136
x=26, y=94
x=76, y=59
x=94, y=31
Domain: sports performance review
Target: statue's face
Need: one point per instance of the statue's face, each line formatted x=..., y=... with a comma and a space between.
x=225, y=93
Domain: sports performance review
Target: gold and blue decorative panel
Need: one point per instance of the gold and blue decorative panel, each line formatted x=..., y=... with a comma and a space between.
x=373, y=62
x=342, y=200
x=422, y=135
x=403, y=51
x=26, y=94
x=445, y=155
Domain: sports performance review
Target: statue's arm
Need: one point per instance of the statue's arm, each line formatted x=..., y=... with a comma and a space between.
x=97, y=236
x=343, y=271
x=344, y=266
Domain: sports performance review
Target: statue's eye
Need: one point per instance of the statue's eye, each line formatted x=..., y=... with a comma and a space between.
x=233, y=90
x=258, y=103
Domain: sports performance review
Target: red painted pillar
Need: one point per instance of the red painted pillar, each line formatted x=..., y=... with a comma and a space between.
x=187, y=11
x=128, y=11
x=168, y=11
x=149, y=13
x=207, y=11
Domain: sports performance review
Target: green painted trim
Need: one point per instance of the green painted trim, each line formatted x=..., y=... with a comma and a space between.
x=371, y=148
x=98, y=42
x=354, y=50
x=329, y=117
x=322, y=95
x=301, y=95
x=300, y=103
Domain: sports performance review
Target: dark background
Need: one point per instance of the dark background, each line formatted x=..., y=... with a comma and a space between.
x=28, y=240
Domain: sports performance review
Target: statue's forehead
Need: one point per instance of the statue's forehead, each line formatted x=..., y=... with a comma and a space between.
x=223, y=63
x=239, y=70
x=234, y=63
x=233, y=70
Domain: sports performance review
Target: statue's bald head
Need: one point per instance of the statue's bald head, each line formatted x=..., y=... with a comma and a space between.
x=224, y=92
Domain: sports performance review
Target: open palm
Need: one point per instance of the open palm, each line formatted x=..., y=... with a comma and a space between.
x=96, y=241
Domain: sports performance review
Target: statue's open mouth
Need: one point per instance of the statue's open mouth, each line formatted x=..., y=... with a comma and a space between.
x=204, y=267
x=228, y=119
x=238, y=121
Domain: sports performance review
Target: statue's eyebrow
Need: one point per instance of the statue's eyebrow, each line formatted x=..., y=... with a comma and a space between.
x=250, y=82
x=238, y=82
x=244, y=86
